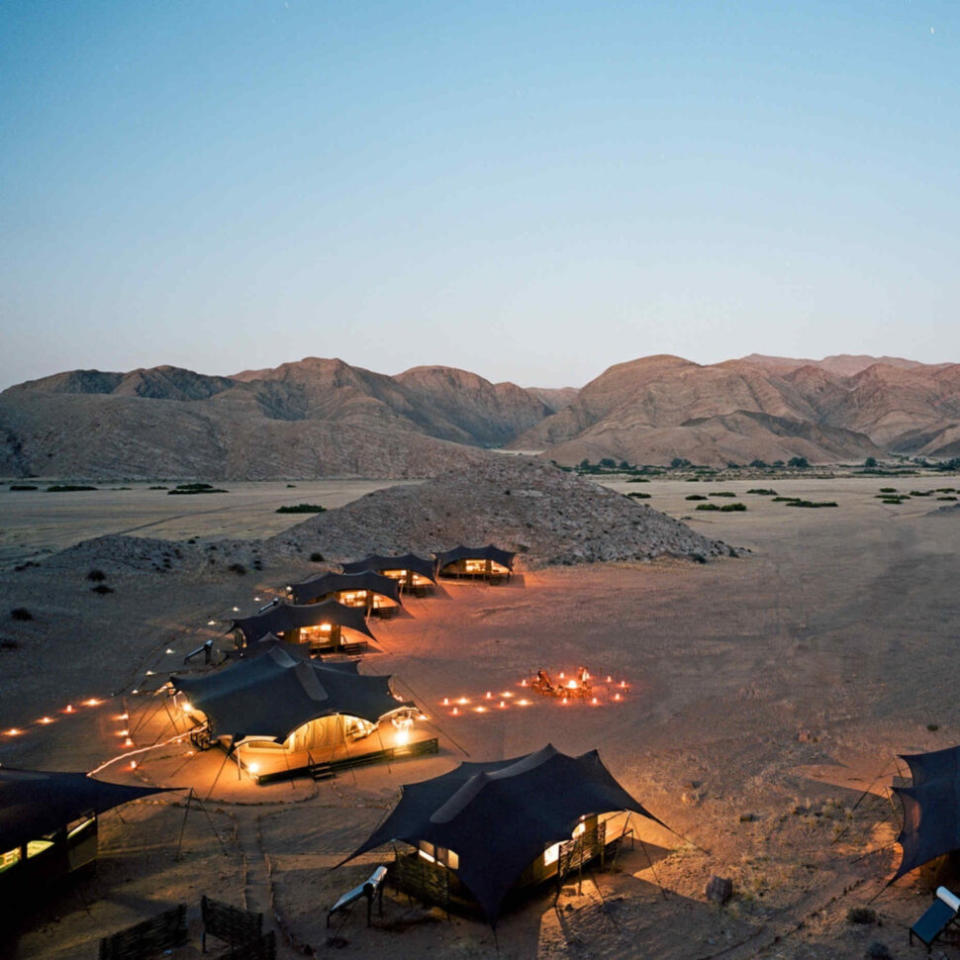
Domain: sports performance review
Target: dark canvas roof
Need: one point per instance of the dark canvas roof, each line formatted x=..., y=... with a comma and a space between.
x=271, y=695
x=378, y=563
x=500, y=816
x=489, y=552
x=931, y=808
x=287, y=616
x=36, y=802
x=328, y=583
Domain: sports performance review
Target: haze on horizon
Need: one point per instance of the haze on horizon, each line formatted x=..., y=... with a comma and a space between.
x=531, y=192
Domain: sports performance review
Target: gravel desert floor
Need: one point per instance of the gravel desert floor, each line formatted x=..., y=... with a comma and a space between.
x=767, y=699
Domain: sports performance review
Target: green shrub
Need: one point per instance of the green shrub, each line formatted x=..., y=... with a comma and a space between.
x=638, y=480
x=707, y=506
x=68, y=488
x=23, y=486
x=758, y=464
x=920, y=493
x=812, y=503
x=695, y=496
x=801, y=463
x=310, y=508
x=636, y=495
x=785, y=499
x=733, y=508
x=763, y=492
x=158, y=488
x=888, y=489
x=185, y=489
x=947, y=498
x=722, y=493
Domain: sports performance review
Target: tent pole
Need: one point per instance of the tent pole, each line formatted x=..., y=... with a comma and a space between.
x=183, y=825
x=226, y=755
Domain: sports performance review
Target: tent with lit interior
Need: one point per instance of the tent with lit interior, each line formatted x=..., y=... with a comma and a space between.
x=413, y=573
x=49, y=824
x=489, y=562
x=366, y=590
x=324, y=627
x=278, y=699
x=931, y=808
x=486, y=829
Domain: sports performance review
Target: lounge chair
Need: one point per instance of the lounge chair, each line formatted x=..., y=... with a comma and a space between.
x=939, y=915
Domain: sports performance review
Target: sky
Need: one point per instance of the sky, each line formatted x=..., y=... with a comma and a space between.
x=531, y=191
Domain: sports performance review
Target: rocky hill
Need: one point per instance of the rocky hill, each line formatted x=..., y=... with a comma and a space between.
x=547, y=515
x=656, y=408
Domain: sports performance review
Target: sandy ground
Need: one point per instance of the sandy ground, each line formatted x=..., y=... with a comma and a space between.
x=766, y=695
x=34, y=522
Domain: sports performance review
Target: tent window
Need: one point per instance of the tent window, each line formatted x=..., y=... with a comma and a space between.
x=475, y=566
x=9, y=859
x=428, y=851
x=442, y=855
x=36, y=847
x=551, y=854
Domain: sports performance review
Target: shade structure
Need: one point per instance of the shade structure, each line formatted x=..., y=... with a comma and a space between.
x=500, y=816
x=931, y=808
x=378, y=563
x=287, y=616
x=489, y=552
x=328, y=583
x=270, y=696
x=34, y=803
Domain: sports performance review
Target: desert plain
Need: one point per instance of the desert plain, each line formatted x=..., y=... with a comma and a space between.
x=767, y=698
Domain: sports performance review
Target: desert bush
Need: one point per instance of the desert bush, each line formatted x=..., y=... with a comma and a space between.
x=96, y=575
x=946, y=498
x=20, y=613
x=638, y=480
x=680, y=463
x=861, y=915
x=191, y=488
x=760, y=464
x=707, y=506
x=733, y=508
x=316, y=557
x=888, y=489
x=291, y=486
x=23, y=486
x=722, y=493
x=637, y=495
x=920, y=493
x=763, y=492
x=68, y=488
x=785, y=499
x=812, y=503
x=307, y=508
x=101, y=588
x=801, y=463
x=695, y=496
x=158, y=488
x=238, y=568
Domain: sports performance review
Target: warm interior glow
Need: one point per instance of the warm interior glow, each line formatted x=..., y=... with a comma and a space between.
x=571, y=684
x=186, y=706
x=402, y=737
x=253, y=767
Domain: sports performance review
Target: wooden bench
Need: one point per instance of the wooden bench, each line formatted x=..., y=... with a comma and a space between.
x=231, y=924
x=148, y=938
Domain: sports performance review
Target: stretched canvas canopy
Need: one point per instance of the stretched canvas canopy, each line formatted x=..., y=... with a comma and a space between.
x=286, y=616
x=270, y=696
x=489, y=552
x=34, y=803
x=500, y=816
x=931, y=808
x=328, y=583
x=378, y=563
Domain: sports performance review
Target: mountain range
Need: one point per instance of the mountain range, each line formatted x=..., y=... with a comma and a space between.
x=324, y=417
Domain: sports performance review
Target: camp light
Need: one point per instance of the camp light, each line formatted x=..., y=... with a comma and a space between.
x=236, y=609
x=13, y=732
x=91, y=702
x=446, y=701
x=480, y=709
x=128, y=742
x=253, y=767
x=169, y=649
x=123, y=716
x=463, y=701
x=186, y=706
x=211, y=623
x=123, y=733
x=68, y=708
x=617, y=696
x=523, y=703
x=456, y=712
x=45, y=720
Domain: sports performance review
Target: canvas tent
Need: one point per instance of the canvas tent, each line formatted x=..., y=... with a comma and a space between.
x=499, y=823
x=48, y=824
x=475, y=562
x=931, y=808
x=409, y=570
x=273, y=696
x=367, y=590
x=320, y=625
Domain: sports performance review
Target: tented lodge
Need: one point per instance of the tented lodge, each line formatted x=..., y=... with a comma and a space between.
x=48, y=825
x=278, y=711
x=368, y=591
x=327, y=627
x=477, y=563
x=413, y=574
x=484, y=832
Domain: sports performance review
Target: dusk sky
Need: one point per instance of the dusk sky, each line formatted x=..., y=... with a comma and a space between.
x=532, y=191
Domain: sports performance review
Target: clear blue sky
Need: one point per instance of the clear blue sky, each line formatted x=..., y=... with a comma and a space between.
x=532, y=191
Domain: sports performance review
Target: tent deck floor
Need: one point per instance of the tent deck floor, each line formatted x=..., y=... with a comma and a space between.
x=326, y=769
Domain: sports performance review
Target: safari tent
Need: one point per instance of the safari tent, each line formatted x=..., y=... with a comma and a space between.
x=931, y=808
x=49, y=825
x=478, y=563
x=322, y=627
x=278, y=710
x=412, y=573
x=367, y=591
x=485, y=831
